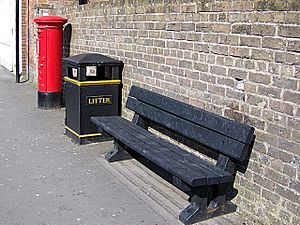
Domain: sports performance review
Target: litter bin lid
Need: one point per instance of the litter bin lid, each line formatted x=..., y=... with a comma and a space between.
x=92, y=59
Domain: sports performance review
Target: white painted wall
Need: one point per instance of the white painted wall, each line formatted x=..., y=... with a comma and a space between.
x=7, y=40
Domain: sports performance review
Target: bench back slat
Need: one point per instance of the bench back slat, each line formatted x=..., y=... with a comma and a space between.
x=223, y=135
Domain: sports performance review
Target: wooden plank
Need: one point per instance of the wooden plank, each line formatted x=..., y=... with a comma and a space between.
x=211, y=121
x=216, y=141
x=138, y=139
x=167, y=163
x=214, y=174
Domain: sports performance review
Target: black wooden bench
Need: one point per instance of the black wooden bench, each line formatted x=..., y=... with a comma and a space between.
x=209, y=184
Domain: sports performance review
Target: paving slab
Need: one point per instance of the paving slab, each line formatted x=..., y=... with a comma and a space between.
x=45, y=178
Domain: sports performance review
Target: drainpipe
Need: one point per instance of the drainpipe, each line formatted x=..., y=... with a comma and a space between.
x=18, y=75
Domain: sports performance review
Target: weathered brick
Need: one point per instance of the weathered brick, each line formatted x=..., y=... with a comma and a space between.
x=220, y=60
x=159, y=43
x=239, y=52
x=218, y=70
x=289, y=146
x=295, y=220
x=208, y=78
x=251, y=186
x=172, y=61
x=293, y=207
x=256, y=100
x=222, y=17
x=250, y=41
x=160, y=26
x=289, y=31
x=289, y=171
x=282, y=82
x=279, y=131
x=287, y=193
x=201, y=67
x=237, y=74
x=185, y=64
x=269, y=91
x=249, y=64
x=235, y=94
x=273, y=68
x=298, y=112
x=229, y=61
x=211, y=58
x=173, y=27
x=221, y=6
x=293, y=45
x=287, y=70
x=219, y=49
x=292, y=18
x=191, y=36
x=218, y=90
x=274, y=43
x=203, y=27
x=253, y=121
x=228, y=39
x=260, y=78
x=172, y=44
x=241, y=29
x=277, y=177
x=276, y=5
x=237, y=17
x=263, y=30
x=203, y=6
x=189, y=8
x=291, y=96
x=159, y=59
x=199, y=85
x=186, y=45
x=285, y=217
x=271, y=196
x=210, y=38
x=289, y=58
x=187, y=26
x=262, y=54
x=221, y=27
x=226, y=81
x=201, y=47
x=282, y=107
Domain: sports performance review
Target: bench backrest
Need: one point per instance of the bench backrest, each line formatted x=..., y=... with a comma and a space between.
x=220, y=134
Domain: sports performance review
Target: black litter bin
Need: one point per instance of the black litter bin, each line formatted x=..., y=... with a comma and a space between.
x=92, y=84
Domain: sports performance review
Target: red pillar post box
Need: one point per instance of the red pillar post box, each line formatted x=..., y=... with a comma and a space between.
x=49, y=50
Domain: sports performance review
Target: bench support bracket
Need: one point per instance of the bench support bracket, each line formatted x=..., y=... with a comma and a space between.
x=117, y=154
x=194, y=211
x=198, y=210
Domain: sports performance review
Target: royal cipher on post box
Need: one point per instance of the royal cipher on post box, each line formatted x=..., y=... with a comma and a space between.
x=49, y=51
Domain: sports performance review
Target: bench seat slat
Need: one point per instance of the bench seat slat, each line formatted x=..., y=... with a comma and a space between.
x=214, y=174
x=214, y=140
x=158, y=151
x=152, y=154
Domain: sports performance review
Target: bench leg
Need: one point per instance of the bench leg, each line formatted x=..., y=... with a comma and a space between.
x=194, y=211
x=117, y=154
x=198, y=210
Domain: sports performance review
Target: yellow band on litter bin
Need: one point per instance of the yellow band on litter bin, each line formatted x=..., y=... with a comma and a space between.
x=82, y=135
x=91, y=83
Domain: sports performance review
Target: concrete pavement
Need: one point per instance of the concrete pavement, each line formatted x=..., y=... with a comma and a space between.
x=47, y=179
